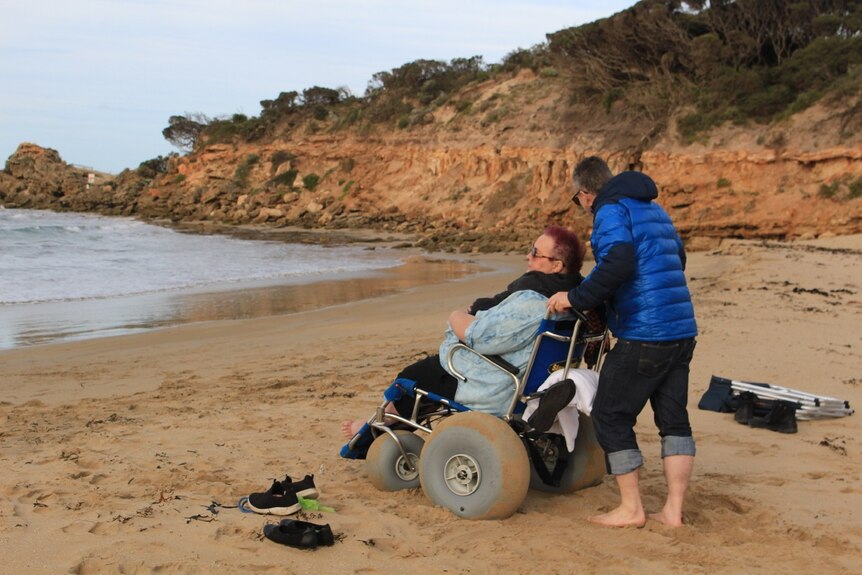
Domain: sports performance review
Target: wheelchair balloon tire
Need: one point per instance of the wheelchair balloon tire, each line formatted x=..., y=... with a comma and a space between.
x=476, y=466
x=385, y=465
x=586, y=466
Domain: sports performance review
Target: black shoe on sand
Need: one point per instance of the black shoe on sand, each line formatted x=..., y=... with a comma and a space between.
x=276, y=501
x=301, y=534
x=304, y=487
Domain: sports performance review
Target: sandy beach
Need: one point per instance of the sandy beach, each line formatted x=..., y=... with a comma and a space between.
x=128, y=454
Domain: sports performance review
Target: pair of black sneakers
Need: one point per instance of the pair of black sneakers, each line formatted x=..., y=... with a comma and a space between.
x=780, y=415
x=282, y=498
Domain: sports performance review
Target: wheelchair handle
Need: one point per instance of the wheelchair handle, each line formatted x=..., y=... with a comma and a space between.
x=578, y=314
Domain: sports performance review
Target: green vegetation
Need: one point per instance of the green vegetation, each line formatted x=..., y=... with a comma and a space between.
x=462, y=106
x=719, y=60
x=153, y=167
x=459, y=193
x=610, y=97
x=494, y=116
x=219, y=130
x=828, y=191
x=733, y=60
x=841, y=190
x=534, y=58
x=310, y=181
x=285, y=178
x=722, y=183
x=185, y=131
x=278, y=158
x=244, y=168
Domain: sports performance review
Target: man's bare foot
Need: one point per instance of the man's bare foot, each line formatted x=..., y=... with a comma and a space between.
x=666, y=518
x=620, y=517
x=351, y=427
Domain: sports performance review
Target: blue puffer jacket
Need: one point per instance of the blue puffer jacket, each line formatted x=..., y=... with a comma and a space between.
x=639, y=264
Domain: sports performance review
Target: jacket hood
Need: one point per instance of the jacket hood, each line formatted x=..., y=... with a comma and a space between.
x=635, y=185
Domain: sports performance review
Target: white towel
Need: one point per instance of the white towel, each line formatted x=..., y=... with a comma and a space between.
x=566, y=422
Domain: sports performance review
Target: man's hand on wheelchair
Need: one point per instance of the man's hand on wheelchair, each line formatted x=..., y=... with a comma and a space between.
x=559, y=302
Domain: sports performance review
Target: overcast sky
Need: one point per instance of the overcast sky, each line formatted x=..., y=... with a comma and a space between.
x=97, y=80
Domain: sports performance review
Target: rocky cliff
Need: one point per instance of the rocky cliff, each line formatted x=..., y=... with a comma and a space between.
x=470, y=184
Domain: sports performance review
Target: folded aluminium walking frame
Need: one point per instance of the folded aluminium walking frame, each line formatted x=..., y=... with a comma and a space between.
x=809, y=405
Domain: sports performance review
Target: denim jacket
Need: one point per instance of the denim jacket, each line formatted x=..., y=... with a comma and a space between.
x=508, y=330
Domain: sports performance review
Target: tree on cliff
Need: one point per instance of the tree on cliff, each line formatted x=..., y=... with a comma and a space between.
x=185, y=131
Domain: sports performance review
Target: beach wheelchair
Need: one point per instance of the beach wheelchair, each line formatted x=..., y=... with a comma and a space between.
x=478, y=465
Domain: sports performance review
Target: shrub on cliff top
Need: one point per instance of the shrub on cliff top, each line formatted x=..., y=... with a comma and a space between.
x=535, y=58
x=238, y=125
x=153, y=167
x=733, y=59
x=728, y=60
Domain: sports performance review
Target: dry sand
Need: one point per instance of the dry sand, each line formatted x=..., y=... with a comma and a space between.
x=128, y=454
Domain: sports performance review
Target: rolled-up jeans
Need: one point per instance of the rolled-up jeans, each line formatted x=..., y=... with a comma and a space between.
x=635, y=372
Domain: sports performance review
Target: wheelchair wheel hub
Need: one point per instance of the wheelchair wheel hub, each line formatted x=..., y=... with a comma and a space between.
x=462, y=474
x=403, y=467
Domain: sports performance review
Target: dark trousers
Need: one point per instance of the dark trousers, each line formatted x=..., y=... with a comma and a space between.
x=430, y=376
x=635, y=372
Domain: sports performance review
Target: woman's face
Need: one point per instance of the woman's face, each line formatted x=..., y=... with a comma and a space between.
x=541, y=258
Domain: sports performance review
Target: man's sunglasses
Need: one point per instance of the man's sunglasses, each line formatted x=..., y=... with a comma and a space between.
x=577, y=197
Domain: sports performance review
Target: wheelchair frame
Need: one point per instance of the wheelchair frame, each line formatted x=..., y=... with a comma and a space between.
x=569, y=351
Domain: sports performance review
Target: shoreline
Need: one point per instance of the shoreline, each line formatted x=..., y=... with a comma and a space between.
x=62, y=320
x=45, y=323
x=327, y=299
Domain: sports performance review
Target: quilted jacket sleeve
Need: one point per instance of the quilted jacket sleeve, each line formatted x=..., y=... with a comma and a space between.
x=615, y=255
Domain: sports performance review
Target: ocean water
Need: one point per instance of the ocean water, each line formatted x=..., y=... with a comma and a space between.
x=71, y=276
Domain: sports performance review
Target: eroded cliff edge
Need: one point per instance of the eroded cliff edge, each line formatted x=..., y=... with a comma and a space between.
x=465, y=185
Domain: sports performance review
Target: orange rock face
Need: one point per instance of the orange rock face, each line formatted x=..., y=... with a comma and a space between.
x=474, y=187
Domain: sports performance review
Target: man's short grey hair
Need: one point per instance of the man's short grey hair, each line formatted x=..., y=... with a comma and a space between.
x=591, y=174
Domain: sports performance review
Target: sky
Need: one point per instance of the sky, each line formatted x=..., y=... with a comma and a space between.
x=97, y=80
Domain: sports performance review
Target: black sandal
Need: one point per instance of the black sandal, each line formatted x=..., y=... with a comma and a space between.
x=300, y=534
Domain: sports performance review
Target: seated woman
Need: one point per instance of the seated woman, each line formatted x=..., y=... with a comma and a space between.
x=503, y=325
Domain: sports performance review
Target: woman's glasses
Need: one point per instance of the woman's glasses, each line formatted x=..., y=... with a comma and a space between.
x=535, y=254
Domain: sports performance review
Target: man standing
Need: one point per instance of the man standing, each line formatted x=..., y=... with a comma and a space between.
x=639, y=275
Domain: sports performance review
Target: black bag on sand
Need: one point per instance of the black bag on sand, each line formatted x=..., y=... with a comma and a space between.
x=718, y=396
